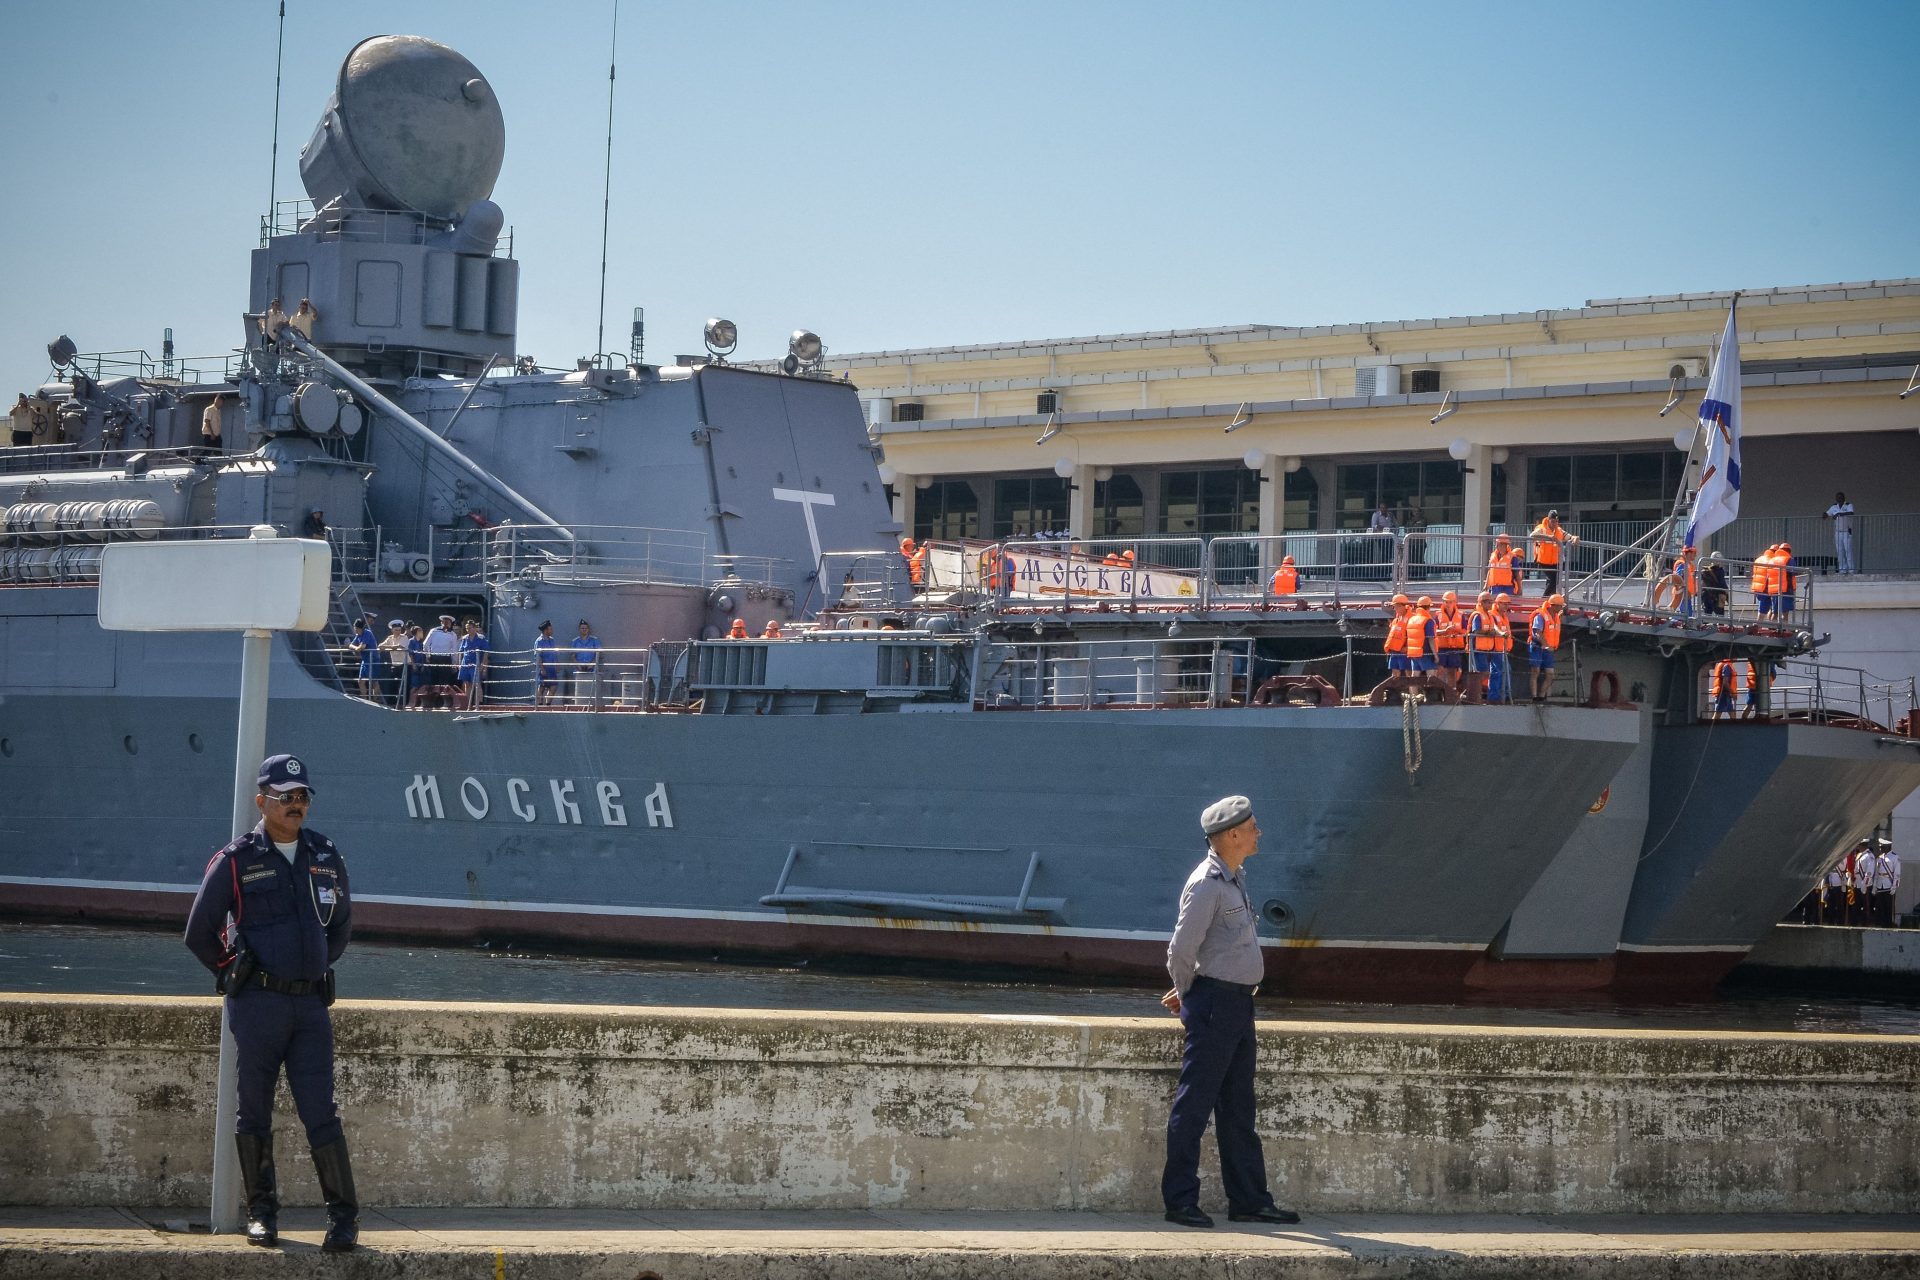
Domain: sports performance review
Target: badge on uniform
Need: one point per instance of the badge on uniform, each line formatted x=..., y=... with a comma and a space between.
x=326, y=895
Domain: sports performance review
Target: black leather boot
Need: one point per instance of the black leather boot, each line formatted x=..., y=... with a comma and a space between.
x=256, y=1178
x=336, y=1186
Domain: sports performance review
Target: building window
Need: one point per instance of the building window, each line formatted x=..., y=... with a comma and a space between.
x=1602, y=488
x=947, y=510
x=1417, y=494
x=1302, y=510
x=1119, y=510
x=1206, y=503
x=1024, y=506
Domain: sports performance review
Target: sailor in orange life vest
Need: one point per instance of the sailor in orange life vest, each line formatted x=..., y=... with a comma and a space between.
x=1543, y=637
x=1450, y=639
x=1503, y=644
x=1215, y=962
x=1396, y=644
x=1483, y=648
x=1752, y=706
x=738, y=631
x=916, y=560
x=1680, y=585
x=1720, y=684
x=1762, y=582
x=1286, y=579
x=1784, y=582
x=1548, y=539
x=1503, y=574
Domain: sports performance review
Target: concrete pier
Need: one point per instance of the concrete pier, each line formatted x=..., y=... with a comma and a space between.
x=108, y=1100
x=1877, y=955
x=439, y=1244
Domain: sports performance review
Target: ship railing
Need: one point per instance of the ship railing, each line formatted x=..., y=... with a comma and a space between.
x=1116, y=675
x=65, y=458
x=880, y=579
x=602, y=555
x=513, y=679
x=374, y=226
x=1826, y=693
x=1329, y=569
x=136, y=363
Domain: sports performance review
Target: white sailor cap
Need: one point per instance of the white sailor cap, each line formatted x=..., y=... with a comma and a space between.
x=1225, y=814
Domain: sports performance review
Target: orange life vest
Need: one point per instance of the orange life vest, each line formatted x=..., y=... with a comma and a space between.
x=1449, y=628
x=917, y=566
x=1546, y=630
x=1115, y=559
x=1417, y=633
x=1486, y=632
x=1503, y=631
x=1500, y=568
x=1286, y=580
x=1760, y=575
x=1723, y=678
x=1397, y=634
x=1684, y=575
x=1753, y=677
x=1546, y=545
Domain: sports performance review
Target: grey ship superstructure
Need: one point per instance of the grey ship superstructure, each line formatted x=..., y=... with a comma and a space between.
x=997, y=764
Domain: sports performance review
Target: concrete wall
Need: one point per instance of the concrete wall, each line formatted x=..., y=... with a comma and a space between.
x=106, y=1100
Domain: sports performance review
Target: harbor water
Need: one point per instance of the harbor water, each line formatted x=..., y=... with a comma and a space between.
x=89, y=959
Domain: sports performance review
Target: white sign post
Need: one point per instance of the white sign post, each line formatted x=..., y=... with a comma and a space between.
x=255, y=586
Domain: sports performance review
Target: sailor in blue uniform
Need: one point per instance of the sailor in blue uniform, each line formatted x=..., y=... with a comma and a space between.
x=270, y=919
x=1215, y=962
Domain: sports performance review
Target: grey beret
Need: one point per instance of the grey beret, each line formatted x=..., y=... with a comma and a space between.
x=1225, y=814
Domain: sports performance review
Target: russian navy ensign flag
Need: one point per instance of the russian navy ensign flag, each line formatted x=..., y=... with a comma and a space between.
x=1718, y=501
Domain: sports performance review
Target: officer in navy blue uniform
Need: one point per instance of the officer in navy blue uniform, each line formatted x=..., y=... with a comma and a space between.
x=271, y=918
x=1214, y=959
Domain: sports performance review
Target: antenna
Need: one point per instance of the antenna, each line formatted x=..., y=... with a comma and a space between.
x=273, y=173
x=606, y=192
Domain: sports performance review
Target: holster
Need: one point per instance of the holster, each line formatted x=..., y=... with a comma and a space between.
x=240, y=972
x=327, y=995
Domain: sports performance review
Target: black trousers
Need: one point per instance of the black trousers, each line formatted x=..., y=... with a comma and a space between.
x=1216, y=1078
x=271, y=1031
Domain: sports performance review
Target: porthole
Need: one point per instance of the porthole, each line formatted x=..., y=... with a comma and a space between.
x=133, y=748
x=6, y=746
x=195, y=744
x=1276, y=913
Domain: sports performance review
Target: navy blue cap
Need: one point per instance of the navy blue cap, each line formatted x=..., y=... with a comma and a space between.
x=284, y=773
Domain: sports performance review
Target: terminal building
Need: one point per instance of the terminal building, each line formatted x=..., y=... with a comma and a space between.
x=1476, y=423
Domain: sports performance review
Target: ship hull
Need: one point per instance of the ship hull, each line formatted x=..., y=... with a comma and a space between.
x=981, y=839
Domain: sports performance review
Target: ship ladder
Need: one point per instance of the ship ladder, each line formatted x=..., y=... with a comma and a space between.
x=1412, y=750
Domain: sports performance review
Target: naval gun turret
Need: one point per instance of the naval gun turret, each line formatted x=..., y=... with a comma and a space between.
x=400, y=248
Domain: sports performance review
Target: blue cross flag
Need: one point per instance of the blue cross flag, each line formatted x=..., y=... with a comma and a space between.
x=1718, y=502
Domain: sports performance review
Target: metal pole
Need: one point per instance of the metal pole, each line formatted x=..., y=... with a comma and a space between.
x=256, y=652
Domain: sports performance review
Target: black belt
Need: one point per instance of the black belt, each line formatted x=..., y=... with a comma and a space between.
x=299, y=987
x=1244, y=988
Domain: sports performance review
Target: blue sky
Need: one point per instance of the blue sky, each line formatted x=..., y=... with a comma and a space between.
x=914, y=174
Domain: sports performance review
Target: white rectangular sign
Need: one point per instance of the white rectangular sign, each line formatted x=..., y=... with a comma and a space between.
x=218, y=584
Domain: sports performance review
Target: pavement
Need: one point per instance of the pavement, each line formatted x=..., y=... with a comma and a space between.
x=605, y=1244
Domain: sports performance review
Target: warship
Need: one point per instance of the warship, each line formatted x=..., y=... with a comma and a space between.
x=793, y=739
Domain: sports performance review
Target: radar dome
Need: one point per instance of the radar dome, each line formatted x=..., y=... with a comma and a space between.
x=411, y=125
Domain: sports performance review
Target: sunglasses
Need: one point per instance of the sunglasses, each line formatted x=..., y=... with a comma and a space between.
x=301, y=796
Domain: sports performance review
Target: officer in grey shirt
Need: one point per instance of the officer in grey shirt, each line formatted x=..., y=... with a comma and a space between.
x=1215, y=962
